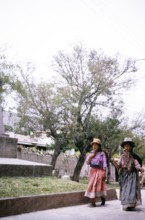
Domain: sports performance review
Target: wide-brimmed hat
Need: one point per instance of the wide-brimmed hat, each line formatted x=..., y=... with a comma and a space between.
x=96, y=140
x=129, y=141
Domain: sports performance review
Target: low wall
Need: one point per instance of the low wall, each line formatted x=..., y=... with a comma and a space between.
x=64, y=164
x=15, y=206
x=8, y=147
x=25, y=170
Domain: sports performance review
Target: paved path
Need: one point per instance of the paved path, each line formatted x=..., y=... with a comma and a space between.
x=16, y=161
x=111, y=211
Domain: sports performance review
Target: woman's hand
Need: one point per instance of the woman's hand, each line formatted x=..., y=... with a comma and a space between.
x=92, y=156
x=94, y=153
x=141, y=169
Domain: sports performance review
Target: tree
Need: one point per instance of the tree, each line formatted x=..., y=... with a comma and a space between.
x=9, y=80
x=41, y=109
x=110, y=133
x=9, y=83
x=135, y=130
x=90, y=80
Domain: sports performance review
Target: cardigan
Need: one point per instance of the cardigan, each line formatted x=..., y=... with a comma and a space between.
x=99, y=160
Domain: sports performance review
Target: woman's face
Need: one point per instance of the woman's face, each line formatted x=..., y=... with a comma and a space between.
x=127, y=148
x=96, y=146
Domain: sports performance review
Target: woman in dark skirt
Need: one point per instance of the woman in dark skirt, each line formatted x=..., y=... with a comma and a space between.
x=130, y=193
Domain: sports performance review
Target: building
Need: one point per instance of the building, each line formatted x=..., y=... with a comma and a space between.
x=40, y=142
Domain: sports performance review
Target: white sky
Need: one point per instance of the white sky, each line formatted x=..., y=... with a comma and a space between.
x=36, y=29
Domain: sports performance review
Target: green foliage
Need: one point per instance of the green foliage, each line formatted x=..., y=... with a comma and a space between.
x=9, y=81
x=139, y=147
x=8, y=128
x=50, y=146
x=112, y=133
x=33, y=149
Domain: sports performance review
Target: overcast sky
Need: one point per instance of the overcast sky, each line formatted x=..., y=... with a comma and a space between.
x=36, y=29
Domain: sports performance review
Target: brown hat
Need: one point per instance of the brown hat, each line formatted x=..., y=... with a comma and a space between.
x=96, y=140
x=129, y=141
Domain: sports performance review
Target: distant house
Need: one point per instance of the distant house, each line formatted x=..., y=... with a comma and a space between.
x=40, y=142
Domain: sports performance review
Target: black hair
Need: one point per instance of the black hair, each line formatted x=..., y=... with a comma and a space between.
x=100, y=146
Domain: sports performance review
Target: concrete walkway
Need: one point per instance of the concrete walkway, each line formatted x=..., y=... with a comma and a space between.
x=18, y=162
x=111, y=211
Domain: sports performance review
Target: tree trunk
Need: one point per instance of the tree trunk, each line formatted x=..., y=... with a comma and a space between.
x=78, y=167
x=2, y=130
x=54, y=158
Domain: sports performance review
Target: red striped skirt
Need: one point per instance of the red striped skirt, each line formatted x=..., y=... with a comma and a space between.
x=96, y=186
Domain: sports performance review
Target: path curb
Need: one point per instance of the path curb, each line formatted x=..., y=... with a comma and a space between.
x=19, y=205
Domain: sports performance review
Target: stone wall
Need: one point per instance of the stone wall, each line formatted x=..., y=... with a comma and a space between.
x=26, y=204
x=64, y=165
x=25, y=170
x=8, y=147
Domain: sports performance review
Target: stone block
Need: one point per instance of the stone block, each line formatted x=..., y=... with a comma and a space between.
x=8, y=147
x=25, y=170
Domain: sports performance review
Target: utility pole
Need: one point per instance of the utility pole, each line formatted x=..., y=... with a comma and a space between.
x=2, y=130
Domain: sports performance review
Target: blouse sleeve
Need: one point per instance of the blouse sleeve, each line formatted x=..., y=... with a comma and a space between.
x=137, y=165
x=87, y=159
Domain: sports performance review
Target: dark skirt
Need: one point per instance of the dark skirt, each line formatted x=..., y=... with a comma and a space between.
x=130, y=194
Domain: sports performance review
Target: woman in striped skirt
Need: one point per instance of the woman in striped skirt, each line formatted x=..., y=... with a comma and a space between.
x=97, y=161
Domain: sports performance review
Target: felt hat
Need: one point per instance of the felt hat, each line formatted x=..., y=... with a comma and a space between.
x=129, y=141
x=96, y=140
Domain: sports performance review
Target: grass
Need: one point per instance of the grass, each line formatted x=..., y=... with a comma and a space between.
x=26, y=186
